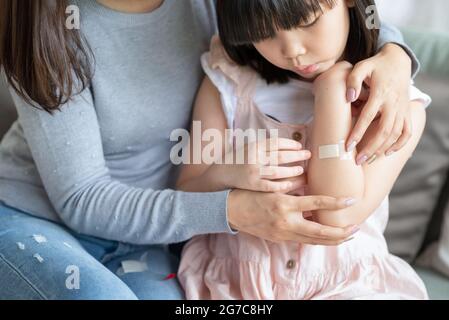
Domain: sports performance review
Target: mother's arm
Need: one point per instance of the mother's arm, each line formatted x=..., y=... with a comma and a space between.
x=389, y=34
x=67, y=149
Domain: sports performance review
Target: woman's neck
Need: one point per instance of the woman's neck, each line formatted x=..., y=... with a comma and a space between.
x=132, y=6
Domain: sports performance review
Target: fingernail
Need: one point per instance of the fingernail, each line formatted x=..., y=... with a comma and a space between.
x=350, y=95
x=389, y=153
x=361, y=160
x=352, y=146
x=349, y=202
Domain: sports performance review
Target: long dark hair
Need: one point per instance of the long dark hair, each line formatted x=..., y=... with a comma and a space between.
x=44, y=62
x=243, y=22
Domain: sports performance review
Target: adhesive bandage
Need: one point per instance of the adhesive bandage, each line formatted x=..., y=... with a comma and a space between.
x=332, y=151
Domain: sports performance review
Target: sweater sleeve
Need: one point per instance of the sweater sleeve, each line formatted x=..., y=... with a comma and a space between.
x=67, y=150
x=390, y=34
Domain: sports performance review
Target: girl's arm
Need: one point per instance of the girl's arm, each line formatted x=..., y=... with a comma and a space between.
x=370, y=183
x=207, y=110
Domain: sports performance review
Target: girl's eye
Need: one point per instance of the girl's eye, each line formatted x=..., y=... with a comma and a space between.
x=311, y=24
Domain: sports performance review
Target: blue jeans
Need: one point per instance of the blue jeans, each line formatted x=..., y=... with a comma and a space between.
x=40, y=259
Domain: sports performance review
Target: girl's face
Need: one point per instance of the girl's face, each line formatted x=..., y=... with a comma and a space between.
x=314, y=47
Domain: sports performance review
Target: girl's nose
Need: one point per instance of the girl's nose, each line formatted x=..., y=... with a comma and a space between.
x=292, y=48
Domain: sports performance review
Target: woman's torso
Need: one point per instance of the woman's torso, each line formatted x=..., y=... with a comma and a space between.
x=147, y=71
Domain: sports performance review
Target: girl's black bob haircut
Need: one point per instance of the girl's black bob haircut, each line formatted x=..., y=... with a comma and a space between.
x=244, y=22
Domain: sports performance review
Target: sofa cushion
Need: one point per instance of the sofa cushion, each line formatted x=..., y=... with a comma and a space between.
x=415, y=195
x=416, y=192
x=437, y=285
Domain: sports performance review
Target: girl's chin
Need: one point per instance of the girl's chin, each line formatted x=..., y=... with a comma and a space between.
x=308, y=75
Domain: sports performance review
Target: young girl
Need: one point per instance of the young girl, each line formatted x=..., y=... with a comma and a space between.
x=283, y=65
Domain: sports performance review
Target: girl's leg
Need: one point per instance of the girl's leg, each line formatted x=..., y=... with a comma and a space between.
x=43, y=260
x=152, y=280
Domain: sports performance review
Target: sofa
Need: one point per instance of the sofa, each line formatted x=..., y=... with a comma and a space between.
x=419, y=200
x=419, y=197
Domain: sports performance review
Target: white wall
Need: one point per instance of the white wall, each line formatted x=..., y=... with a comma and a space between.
x=431, y=15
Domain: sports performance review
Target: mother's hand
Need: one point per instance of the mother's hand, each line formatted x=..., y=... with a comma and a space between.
x=388, y=76
x=279, y=217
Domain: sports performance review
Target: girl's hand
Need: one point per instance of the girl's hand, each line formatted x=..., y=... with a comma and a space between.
x=279, y=217
x=258, y=174
x=388, y=77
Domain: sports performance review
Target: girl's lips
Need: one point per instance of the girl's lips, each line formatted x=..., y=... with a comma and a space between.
x=308, y=69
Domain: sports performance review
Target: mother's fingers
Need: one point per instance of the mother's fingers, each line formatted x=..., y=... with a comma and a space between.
x=394, y=136
x=318, y=231
x=275, y=173
x=286, y=157
x=286, y=185
x=367, y=115
x=360, y=73
x=311, y=203
x=281, y=144
x=304, y=227
x=364, y=93
x=382, y=135
x=404, y=138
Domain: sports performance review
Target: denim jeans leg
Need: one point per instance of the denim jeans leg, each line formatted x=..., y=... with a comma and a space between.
x=40, y=259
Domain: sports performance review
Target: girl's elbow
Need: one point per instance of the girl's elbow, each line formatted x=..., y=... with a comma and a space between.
x=343, y=218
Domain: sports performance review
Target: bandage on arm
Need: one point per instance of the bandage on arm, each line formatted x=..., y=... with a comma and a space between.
x=332, y=151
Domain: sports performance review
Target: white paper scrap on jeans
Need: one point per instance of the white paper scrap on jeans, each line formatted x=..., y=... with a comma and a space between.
x=133, y=266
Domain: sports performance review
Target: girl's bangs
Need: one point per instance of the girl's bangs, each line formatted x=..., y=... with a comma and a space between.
x=249, y=21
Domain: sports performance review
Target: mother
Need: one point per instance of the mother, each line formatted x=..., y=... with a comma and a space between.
x=86, y=208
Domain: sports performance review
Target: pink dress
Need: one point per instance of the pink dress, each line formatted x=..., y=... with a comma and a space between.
x=224, y=266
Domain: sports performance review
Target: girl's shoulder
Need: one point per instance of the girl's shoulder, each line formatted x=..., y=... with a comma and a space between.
x=217, y=63
x=217, y=52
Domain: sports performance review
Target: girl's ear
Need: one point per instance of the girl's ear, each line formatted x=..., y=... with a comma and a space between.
x=350, y=3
